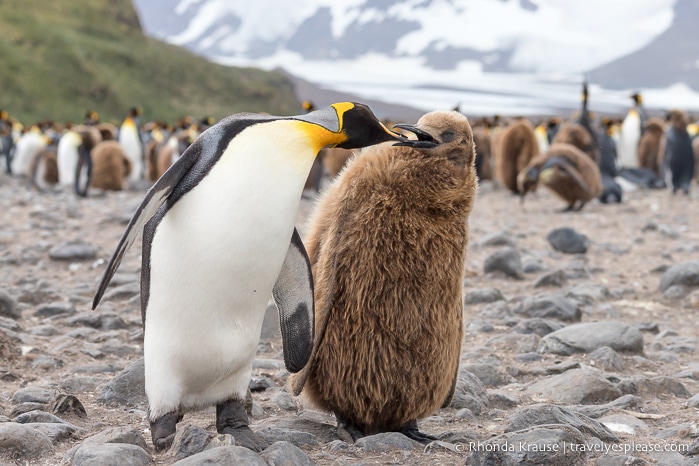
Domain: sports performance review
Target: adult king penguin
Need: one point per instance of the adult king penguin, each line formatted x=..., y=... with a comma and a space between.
x=218, y=240
x=631, y=132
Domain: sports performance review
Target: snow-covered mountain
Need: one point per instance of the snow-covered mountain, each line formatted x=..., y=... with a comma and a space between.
x=504, y=56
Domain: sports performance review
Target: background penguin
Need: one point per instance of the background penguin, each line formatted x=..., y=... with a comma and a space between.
x=679, y=155
x=565, y=170
x=132, y=143
x=218, y=230
x=650, y=147
x=517, y=146
x=28, y=145
x=577, y=135
x=44, y=168
x=631, y=130
x=74, y=157
x=484, y=153
x=6, y=140
x=387, y=245
x=695, y=146
x=611, y=189
x=110, y=166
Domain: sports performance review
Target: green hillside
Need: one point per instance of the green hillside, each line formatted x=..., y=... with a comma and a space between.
x=60, y=58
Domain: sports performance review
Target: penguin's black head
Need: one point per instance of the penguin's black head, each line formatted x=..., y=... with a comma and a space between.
x=528, y=181
x=361, y=127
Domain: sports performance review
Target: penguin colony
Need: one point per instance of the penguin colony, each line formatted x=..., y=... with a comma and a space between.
x=387, y=247
x=229, y=200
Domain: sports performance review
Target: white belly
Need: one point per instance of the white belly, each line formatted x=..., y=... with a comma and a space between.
x=214, y=260
x=67, y=160
x=129, y=141
x=27, y=148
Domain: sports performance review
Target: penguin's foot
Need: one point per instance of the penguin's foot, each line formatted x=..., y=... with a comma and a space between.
x=232, y=419
x=162, y=430
x=411, y=431
x=347, y=430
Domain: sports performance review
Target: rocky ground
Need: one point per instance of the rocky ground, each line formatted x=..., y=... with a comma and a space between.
x=580, y=357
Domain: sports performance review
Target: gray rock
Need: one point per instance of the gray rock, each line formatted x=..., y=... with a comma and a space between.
x=189, y=440
x=85, y=319
x=681, y=431
x=385, y=441
x=685, y=273
x=597, y=411
x=81, y=384
x=39, y=416
x=55, y=309
x=568, y=241
x=606, y=358
x=284, y=400
x=297, y=437
x=517, y=342
x=653, y=387
x=587, y=337
x=537, y=326
x=548, y=445
x=531, y=265
x=323, y=428
x=69, y=404
x=260, y=383
x=496, y=310
x=285, y=454
x=469, y=393
x=47, y=330
x=506, y=260
x=27, y=407
x=607, y=459
x=240, y=456
x=125, y=291
x=693, y=402
x=542, y=414
x=269, y=364
x=127, y=388
x=73, y=251
x=44, y=361
x=625, y=421
x=23, y=443
x=576, y=386
x=33, y=394
x=8, y=306
x=557, y=278
x=529, y=357
x=498, y=239
x=57, y=432
x=127, y=435
x=10, y=324
x=588, y=293
x=502, y=400
x=549, y=306
x=490, y=375
x=110, y=454
x=483, y=295
x=676, y=292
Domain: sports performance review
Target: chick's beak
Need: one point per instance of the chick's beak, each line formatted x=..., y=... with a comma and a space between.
x=424, y=139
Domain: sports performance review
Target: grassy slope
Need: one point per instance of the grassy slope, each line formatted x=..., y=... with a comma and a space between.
x=59, y=58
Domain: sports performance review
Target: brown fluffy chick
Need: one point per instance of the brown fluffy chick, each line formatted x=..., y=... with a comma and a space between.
x=567, y=171
x=387, y=245
x=651, y=147
x=516, y=147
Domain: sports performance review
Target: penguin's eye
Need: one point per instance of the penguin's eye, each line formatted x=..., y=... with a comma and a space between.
x=447, y=136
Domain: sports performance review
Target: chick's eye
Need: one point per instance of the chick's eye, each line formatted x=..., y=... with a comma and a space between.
x=447, y=136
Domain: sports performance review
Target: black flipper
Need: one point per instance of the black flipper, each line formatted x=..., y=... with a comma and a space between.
x=155, y=197
x=293, y=295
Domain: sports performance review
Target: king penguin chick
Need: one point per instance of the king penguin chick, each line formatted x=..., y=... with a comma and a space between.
x=218, y=240
x=387, y=246
x=567, y=171
x=650, y=147
x=679, y=155
x=517, y=146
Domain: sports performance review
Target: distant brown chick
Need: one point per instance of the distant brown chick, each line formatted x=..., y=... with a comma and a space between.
x=516, y=147
x=576, y=135
x=567, y=171
x=651, y=146
x=387, y=246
